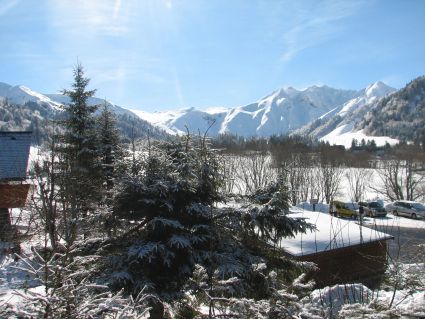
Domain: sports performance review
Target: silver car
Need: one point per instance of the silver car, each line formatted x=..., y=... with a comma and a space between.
x=406, y=208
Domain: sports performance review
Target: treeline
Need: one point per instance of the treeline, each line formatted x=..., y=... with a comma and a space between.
x=361, y=153
x=312, y=169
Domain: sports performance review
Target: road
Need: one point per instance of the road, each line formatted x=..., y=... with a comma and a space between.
x=408, y=245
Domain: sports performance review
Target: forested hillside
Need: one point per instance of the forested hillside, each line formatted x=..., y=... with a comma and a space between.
x=41, y=119
x=400, y=115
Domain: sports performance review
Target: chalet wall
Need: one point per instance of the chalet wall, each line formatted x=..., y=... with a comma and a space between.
x=364, y=263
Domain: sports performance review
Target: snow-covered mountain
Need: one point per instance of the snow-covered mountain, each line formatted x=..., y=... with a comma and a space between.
x=281, y=112
x=24, y=109
x=400, y=115
x=339, y=126
x=64, y=99
x=322, y=112
x=20, y=95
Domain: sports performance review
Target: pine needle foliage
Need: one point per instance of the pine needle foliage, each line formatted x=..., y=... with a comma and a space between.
x=172, y=195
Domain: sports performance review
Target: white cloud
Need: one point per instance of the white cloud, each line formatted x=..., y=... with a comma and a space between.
x=315, y=24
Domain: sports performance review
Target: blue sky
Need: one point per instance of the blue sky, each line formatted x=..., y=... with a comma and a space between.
x=166, y=54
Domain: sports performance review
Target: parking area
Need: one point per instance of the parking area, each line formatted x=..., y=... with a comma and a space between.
x=408, y=245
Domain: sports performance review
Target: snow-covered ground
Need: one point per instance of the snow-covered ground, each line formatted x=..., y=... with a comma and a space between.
x=395, y=221
x=344, y=135
x=389, y=221
x=358, y=301
x=14, y=280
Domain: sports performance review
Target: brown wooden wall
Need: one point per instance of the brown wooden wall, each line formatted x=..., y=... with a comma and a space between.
x=364, y=263
x=13, y=195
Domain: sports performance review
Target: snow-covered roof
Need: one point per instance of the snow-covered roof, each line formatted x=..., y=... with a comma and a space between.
x=14, y=152
x=332, y=233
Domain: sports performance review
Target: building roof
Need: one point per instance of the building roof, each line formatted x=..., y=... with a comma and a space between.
x=331, y=233
x=14, y=153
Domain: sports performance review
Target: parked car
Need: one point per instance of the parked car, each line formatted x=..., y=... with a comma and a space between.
x=373, y=209
x=406, y=208
x=345, y=209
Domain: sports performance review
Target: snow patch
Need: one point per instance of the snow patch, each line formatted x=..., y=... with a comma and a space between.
x=343, y=135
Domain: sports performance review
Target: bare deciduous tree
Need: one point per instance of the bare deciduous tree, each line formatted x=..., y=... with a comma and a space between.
x=358, y=181
x=330, y=175
x=400, y=179
x=254, y=171
x=45, y=200
x=297, y=173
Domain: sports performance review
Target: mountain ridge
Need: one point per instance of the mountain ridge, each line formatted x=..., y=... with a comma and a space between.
x=24, y=109
x=321, y=112
x=280, y=112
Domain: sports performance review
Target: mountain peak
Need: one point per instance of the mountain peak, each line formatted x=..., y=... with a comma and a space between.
x=378, y=89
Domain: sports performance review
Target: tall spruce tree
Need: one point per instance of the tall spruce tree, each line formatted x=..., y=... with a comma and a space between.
x=79, y=154
x=110, y=150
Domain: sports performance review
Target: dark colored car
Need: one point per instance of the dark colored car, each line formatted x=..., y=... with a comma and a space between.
x=373, y=209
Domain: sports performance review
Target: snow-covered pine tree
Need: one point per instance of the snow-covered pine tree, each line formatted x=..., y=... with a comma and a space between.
x=245, y=237
x=171, y=199
x=79, y=157
x=176, y=227
x=109, y=146
x=111, y=154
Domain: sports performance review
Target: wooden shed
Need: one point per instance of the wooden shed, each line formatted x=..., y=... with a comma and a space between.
x=343, y=250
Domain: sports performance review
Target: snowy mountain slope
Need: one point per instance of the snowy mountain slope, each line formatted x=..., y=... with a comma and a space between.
x=278, y=113
x=24, y=109
x=178, y=121
x=339, y=125
x=20, y=94
x=63, y=99
x=345, y=134
x=400, y=115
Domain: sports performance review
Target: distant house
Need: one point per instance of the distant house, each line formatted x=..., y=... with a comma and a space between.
x=343, y=250
x=14, y=154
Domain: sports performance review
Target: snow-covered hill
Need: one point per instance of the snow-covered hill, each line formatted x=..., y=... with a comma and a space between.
x=24, y=109
x=20, y=94
x=281, y=112
x=339, y=126
x=400, y=115
x=63, y=99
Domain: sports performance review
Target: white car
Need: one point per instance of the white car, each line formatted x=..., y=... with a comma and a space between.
x=406, y=208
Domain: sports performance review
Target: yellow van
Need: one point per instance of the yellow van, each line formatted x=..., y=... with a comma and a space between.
x=344, y=209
